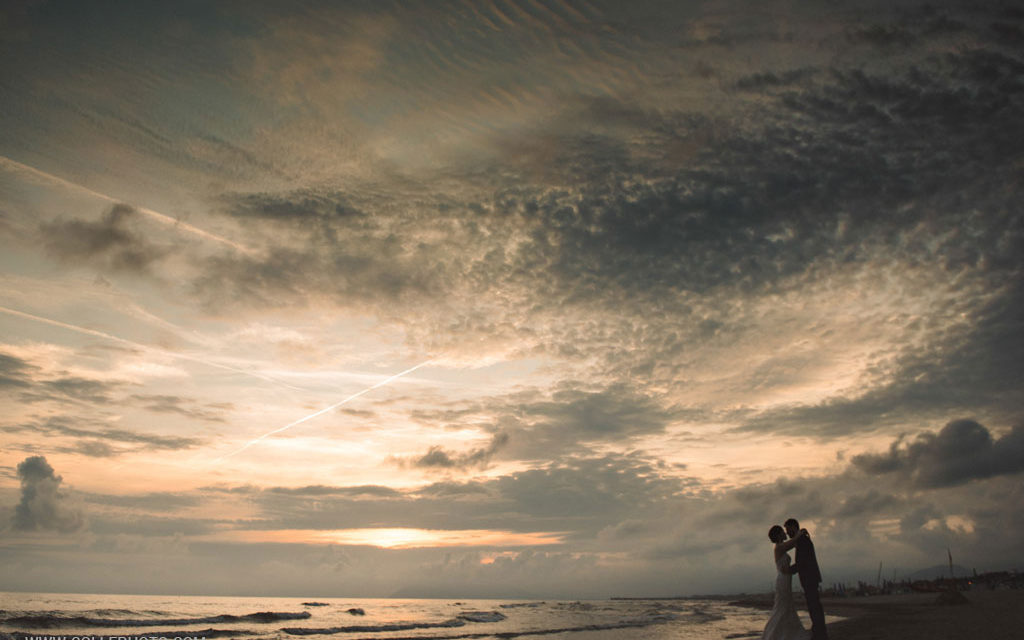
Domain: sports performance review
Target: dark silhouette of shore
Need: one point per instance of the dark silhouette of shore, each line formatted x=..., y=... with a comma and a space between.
x=989, y=606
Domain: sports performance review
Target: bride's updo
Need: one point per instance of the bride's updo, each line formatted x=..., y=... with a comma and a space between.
x=776, y=534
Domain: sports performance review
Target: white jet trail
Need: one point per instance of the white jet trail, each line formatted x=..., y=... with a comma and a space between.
x=324, y=410
x=14, y=165
x=172, y=354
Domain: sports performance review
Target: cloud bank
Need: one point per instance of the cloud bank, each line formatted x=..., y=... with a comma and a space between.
x=43, y=507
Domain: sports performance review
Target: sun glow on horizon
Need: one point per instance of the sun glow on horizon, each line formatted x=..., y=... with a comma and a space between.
x=398, y=537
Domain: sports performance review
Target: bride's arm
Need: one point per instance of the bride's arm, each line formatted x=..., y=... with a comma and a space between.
x=783, y=547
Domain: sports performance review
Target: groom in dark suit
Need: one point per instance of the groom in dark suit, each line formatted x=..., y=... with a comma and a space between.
x=806, y=567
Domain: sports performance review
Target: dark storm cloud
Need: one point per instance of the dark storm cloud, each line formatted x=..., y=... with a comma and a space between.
x=542, y=426
x=960, y=452
x=803, y=498
x=102, y=441
x=886, y=36
x=851, y=514
x=769, y=80
x=374, y=269
x=762, y=203
x=614, y=413
x=624, y=505
x=871, y=503
x=110, y=244
x=336, y=251
x=591, y=493
x=971, y=367
x=579, y=496
x=43, y=507
x=625, y=209
x=765, y=201
x=570, y=419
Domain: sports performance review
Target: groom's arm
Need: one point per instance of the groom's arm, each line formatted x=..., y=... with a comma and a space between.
x=802, y=542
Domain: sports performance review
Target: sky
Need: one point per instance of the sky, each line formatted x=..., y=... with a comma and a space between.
x=520, y=298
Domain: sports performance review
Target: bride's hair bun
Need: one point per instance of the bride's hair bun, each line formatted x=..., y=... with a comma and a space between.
x=774, y=532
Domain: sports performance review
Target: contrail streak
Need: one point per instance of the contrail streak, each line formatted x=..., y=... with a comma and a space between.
x=324, y=410
x=172, y=354
x=16, y=166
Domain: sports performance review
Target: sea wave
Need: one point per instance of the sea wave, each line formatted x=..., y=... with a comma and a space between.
x=481, y=616
x=633, y=623
x=371, y=628
x=51, y=620
x=623, y=624
x=458, y=621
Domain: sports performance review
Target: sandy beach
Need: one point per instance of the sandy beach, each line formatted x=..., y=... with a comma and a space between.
x=989, y=615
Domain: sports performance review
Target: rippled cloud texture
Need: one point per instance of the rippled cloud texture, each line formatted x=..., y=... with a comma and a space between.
x=680, y=273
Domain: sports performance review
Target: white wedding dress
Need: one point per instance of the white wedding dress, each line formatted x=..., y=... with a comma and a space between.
x=784, y=624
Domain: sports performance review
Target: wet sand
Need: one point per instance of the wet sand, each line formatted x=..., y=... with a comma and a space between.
x=987, y=615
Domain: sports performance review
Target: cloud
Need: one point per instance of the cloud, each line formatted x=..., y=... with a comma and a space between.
x=73, y=388
x=293, y=207
x=579, y=496
x=110, y=244
x=968, y=365
x=14, y=371
x=38, y=384
x=960, y=452
x=883, y=36
x=178, y=405
x=43, y=506
x=159, y=501
x=438, y=457
x=821, y=244
x=626, y=521
x=90, y=448
x=643, y=238
x=536, y=425
x=362, y=491
x=766, y=80
x=150, y=525
x=103, y=441
x=870, y=503
x=614, y=224
x=374, y=269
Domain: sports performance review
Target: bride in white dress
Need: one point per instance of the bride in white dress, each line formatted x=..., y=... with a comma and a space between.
x=784, y=624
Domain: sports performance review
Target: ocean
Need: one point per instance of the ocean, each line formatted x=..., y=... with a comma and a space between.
x=37, y=616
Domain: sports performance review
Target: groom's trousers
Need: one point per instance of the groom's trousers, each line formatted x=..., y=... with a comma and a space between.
x=813, y=596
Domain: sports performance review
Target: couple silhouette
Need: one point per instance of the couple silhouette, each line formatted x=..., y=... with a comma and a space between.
x=784, y=624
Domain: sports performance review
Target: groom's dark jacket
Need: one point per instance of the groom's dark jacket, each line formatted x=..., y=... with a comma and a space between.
x=807, y=563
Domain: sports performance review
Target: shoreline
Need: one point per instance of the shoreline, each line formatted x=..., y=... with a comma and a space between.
x=987, y=614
